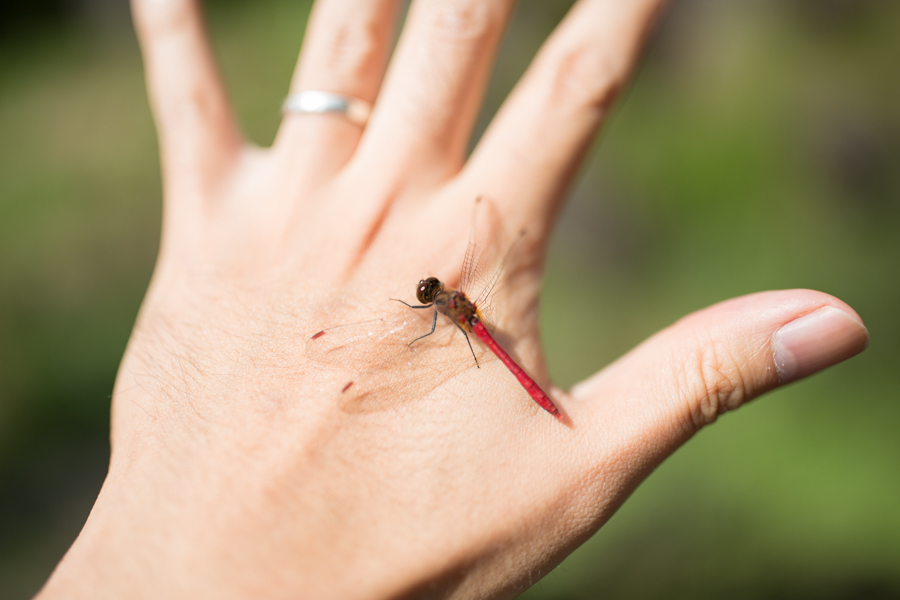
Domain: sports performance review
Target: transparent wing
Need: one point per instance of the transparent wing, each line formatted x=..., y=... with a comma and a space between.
x=472, y=278
x=480, y=288
x=478, y=279
x=374, y=366
x=490, y=285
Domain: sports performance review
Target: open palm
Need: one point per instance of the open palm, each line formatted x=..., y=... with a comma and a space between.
x=241, y=467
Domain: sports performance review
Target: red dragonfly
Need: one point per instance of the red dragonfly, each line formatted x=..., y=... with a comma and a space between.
x=454, y=305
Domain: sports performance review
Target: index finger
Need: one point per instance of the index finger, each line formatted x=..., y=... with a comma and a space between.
x=530, y=152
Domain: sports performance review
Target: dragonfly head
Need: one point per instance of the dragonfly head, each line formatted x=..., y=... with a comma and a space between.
x=428, y=289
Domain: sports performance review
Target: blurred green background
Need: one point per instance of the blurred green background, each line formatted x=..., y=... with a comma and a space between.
x=758, y=148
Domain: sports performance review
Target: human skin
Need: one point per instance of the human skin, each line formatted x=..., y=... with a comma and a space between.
x=240, y=470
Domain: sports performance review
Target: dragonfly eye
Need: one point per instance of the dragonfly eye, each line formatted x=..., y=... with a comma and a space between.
x=428, y=289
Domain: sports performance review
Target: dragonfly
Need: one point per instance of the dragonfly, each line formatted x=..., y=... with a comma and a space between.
x=465, y=313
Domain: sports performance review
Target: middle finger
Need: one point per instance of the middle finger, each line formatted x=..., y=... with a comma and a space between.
x=434, y=85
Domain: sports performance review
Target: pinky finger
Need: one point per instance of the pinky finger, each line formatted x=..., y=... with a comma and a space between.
x=197, y=131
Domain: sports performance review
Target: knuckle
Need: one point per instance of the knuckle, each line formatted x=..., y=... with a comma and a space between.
x=586, y=78
x=714, y=383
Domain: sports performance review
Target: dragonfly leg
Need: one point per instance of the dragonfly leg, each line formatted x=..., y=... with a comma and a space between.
x=433, y=324
x=468, y=341
x=414, y=306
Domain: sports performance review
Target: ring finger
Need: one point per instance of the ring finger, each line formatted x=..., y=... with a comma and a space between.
x=344, y=51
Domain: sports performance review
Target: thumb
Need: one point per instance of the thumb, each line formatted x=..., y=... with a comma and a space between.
x=665, y=390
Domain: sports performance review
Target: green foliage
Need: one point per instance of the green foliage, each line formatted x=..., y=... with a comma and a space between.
x=757, y=149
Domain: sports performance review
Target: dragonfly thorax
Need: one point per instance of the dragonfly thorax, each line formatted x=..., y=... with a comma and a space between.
x=455, y=306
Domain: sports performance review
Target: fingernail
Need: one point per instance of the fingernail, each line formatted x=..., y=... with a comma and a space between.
x=816, y=341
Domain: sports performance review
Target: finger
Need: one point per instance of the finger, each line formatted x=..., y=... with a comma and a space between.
x=345, y=50
x=535, y=143
x=714, y=361
x=198, y=134
x=434, y=86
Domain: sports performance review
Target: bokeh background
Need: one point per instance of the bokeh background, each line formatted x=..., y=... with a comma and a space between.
x=758, y=148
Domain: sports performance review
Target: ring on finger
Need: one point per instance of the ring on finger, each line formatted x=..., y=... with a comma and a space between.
x=353, y=109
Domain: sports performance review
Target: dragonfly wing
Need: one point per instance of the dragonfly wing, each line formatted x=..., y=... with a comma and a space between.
x=374, y=364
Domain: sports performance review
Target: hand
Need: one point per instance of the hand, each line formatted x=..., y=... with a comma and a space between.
x=240, y=469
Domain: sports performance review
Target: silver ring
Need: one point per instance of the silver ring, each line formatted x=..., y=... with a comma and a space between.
x=316, y=102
